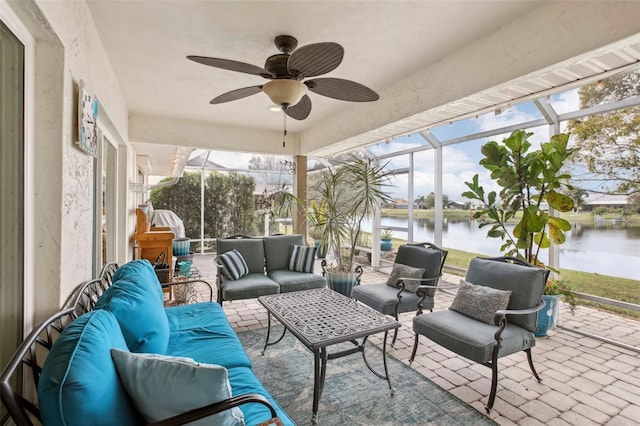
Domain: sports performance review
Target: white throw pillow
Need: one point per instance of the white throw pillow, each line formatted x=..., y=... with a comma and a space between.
x=164, y=386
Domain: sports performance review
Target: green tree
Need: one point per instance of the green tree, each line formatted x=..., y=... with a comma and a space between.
x=609, y=143
x=183, y=199
x=430, y=200
x=527, y=180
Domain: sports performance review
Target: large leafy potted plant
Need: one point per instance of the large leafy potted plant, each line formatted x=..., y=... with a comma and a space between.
x=530, y=182
x=349, y=194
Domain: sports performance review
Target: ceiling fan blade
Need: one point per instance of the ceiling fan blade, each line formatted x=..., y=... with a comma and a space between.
x=301, y=110
x=228, y=64
x=236, y=94
x=315, y=59
x=344, y=90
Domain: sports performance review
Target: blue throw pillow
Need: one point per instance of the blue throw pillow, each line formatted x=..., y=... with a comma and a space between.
x=302, y=258
x=135, y=298
x=79, y=383
x=234, y=265
x=162, y=387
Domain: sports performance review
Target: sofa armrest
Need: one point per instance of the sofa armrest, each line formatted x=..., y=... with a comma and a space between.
x=217, y=407
x=191, y=296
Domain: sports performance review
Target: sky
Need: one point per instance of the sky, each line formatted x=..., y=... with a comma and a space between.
x=460, y=161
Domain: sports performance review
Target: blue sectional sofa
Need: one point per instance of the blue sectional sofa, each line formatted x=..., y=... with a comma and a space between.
x=268, y=267
x=131, y=361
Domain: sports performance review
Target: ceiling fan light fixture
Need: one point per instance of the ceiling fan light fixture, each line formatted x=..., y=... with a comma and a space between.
x=285, y=92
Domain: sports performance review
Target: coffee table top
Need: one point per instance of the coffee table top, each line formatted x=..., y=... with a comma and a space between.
x=323, y=317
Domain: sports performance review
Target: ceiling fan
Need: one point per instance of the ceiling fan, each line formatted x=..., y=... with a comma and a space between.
x=287, y=72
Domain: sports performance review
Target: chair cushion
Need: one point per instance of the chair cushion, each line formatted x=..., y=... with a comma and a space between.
x=249, y=287
x=422, y=257
x=277, y=249
x=252, y=250
x=479, y=302
x=135, y=298
x=162, y=386
x=233, y=265
x=296, y=281
x=400, y=271
x=382, y=298
x=302, y=259
x=79, y=383
x=526, y=284
x=471, y=338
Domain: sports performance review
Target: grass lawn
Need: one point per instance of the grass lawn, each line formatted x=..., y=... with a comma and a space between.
x=622, y=289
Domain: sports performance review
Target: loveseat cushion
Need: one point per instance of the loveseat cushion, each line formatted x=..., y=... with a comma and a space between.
x=277, y=250
x=471, y=338
x=163, y=386
x=135, y=298
x=243, y=380
x=249, y=287
x=79, y=383
x=201, y=331
x=296, y=281
x=251, y=249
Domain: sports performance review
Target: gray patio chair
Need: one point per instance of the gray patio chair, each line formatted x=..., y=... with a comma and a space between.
x=398, y=294
x=474, y=328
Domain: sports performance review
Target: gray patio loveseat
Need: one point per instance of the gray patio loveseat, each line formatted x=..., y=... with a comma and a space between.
x=268, y=267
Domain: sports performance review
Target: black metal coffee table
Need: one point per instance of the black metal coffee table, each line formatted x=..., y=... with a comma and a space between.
x=320, y=318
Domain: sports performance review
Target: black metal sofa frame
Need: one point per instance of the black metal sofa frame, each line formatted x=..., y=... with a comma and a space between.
x=19, y=379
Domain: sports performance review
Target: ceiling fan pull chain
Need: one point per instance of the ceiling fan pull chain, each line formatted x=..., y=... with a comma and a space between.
x=284, y=125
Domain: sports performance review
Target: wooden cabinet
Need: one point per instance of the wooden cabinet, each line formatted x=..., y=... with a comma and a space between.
x=151, y=242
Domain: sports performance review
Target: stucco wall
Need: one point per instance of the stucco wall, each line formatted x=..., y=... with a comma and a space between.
x=68, y=49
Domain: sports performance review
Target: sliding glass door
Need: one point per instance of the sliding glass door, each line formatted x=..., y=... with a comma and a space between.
x=12, y=172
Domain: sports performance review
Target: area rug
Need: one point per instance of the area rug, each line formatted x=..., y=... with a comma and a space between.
x=352, y=394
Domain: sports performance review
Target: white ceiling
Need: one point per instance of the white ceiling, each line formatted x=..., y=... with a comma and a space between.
x=390, y=46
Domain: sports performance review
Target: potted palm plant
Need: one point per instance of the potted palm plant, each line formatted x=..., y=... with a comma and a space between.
x=386, y=240
x=316, y=219
x=349, y=194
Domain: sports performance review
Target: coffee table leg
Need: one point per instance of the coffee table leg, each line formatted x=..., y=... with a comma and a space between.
x=384, y=360
x=266, y=342
x=319, y=370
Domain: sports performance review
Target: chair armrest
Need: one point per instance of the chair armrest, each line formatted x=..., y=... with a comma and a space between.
x=217, y=407
x=194, y=296
x=421, y=292
x=502, y=313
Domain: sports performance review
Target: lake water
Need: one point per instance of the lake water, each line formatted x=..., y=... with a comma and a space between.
x=605, y=248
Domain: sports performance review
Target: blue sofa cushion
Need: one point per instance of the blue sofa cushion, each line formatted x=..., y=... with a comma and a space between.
x=233, y=265
x=163, y=386
x=135, y=298
x=201, y=331
x=302, y=259
x=79, y=383
x=277, y=249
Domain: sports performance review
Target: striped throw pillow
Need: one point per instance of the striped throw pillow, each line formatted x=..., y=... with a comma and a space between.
x=302, y=258
x=234, y=265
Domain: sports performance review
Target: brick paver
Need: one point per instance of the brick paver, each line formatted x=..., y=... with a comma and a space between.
x=586, y=380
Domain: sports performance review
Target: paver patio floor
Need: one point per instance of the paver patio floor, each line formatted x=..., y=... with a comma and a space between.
x=586, y=380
